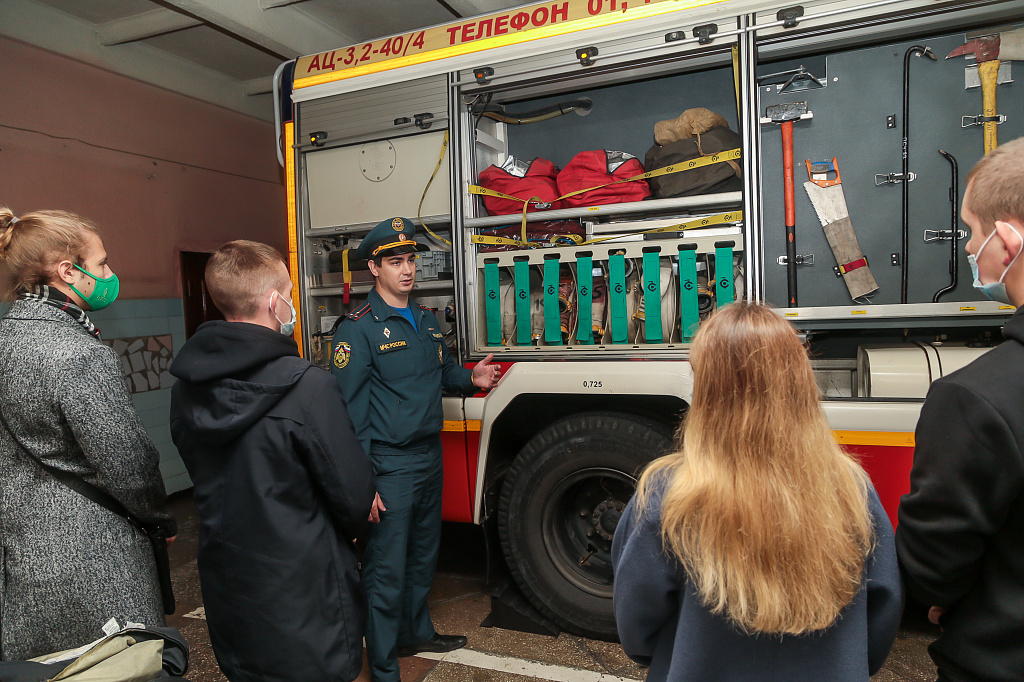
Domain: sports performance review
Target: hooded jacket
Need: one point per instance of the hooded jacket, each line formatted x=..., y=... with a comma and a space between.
x=959, y=538
x=283, y=487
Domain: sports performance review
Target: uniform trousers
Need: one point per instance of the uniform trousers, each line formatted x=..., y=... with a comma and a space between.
x=401, y=552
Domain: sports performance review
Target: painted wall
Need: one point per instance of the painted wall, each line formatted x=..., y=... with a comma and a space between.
x=159, y=172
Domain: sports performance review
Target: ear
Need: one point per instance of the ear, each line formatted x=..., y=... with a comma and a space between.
x=66, y=272
x=1012, y=236
x=372, y=265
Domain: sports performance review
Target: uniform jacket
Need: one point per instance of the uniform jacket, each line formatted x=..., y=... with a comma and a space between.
x=663, y=624
x=960, y=537
x=392, y=375
x=282, y=488
x=69, y=565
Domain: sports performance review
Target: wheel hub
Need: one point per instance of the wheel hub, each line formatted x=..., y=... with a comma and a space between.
x=605, y=517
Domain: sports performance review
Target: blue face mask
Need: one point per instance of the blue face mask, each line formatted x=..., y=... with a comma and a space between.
x=287, y=328
x=994, y=291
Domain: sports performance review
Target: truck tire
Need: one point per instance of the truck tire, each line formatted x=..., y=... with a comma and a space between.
x=560, y=502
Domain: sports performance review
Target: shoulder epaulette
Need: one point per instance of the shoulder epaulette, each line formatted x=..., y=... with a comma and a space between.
x=359, y=312
x=429, y=310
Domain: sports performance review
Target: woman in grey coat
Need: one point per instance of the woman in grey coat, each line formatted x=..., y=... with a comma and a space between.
x=68, y=564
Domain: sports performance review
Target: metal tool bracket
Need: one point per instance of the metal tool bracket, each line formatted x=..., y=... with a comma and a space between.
x=764, y=119
x=807, y=259
x=968, y=121
x=893, y=178
x=943, y=235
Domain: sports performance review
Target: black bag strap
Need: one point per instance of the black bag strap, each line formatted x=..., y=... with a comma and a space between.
x=80, y=486
x=157, y=539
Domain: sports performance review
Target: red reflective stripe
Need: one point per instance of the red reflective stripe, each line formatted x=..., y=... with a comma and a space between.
x=861, y=262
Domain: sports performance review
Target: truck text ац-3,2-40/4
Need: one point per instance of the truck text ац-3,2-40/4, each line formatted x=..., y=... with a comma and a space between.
x=593, y=178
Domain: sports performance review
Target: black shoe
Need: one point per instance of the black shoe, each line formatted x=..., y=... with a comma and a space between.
x=437, y=644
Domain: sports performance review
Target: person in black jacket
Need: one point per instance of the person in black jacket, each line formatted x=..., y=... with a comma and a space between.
x=282, y=485
x=959, y=537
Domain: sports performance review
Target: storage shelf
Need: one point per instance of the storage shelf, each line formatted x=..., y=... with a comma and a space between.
x=702, y=203
x=361, y=289
x=896, y=315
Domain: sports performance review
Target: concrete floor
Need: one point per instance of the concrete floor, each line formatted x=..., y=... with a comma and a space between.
x=460, y=601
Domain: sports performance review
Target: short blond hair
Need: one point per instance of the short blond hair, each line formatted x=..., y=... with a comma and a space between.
x=996, y=185
x=238, y=275
x=31, y=246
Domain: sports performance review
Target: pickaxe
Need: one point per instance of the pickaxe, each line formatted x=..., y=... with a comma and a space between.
x=988, y=52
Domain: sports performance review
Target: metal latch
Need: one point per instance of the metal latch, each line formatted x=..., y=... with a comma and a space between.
x=943, y=235
x=789, y=15
x=968, y=121
x=800, y=260
x=483, y=74
x=423, y=120
x=893, y=178
x=704, y=32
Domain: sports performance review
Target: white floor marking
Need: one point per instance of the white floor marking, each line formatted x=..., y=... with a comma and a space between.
x=522, y=666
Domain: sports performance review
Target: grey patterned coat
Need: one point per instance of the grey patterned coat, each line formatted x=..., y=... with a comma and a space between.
x=69, y=565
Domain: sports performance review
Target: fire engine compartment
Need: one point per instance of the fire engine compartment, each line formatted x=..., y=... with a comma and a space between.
x=852, y=120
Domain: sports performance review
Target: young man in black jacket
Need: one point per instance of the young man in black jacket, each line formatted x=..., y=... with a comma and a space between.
x=282, y=485
x=959, y=538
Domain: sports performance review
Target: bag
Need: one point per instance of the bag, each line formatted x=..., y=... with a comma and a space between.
x=157, y=537
x=600, y=167
x=538, y=181
x=717, y=177
x=131, y=655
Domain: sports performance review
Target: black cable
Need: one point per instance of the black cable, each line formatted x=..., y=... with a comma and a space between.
x=144, y=156
x=451, y=9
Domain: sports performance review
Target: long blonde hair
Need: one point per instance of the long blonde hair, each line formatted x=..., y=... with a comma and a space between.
x=766, y=513
x=32, y=246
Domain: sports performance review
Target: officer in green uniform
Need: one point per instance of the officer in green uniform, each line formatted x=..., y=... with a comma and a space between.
x=391, y=362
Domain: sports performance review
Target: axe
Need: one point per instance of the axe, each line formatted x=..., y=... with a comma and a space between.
x=989, y=52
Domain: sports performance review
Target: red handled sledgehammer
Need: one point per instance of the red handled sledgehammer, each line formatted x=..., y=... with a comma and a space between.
x=785, y=114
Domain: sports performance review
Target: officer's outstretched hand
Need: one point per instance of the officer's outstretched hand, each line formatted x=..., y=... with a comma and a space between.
x=486, y=375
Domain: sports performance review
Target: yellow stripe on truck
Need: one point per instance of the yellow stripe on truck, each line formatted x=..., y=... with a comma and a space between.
x=459, y=425
x=293, y=238
x=345, y=62
x=901, y=439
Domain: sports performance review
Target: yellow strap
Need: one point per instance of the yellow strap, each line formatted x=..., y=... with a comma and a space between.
x=419, y=209
x=500, y=241
x=736, y=79
x=720, y=157
x=346, y=273
x=507, y=241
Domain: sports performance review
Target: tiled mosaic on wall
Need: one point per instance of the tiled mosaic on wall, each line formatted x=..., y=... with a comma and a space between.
x=145, y=360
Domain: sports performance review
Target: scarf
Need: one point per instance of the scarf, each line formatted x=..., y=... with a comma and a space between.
x=53, y=297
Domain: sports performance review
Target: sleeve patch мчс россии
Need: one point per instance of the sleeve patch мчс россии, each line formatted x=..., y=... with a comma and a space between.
x=342, y=354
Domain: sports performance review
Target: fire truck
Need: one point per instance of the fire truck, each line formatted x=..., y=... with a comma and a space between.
x=851, y=126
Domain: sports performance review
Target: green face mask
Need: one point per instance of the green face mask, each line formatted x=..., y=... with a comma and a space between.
x=103, y=294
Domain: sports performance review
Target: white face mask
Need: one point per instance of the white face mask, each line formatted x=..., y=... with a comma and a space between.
x=287, y=328
x=995, y=291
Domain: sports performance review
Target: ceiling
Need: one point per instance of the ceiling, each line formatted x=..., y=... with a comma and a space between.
x=221, y=51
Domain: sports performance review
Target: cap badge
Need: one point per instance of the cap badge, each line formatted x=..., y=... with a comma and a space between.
x=401, y=237
x=397, y=225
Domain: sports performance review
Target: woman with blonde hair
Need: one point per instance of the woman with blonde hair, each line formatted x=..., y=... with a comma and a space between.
x=759, y=550
x=74, y=455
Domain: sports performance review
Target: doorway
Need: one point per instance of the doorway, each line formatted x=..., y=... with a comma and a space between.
x=196, y=300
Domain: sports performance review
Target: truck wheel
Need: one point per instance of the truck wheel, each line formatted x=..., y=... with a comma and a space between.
x=560, y=502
